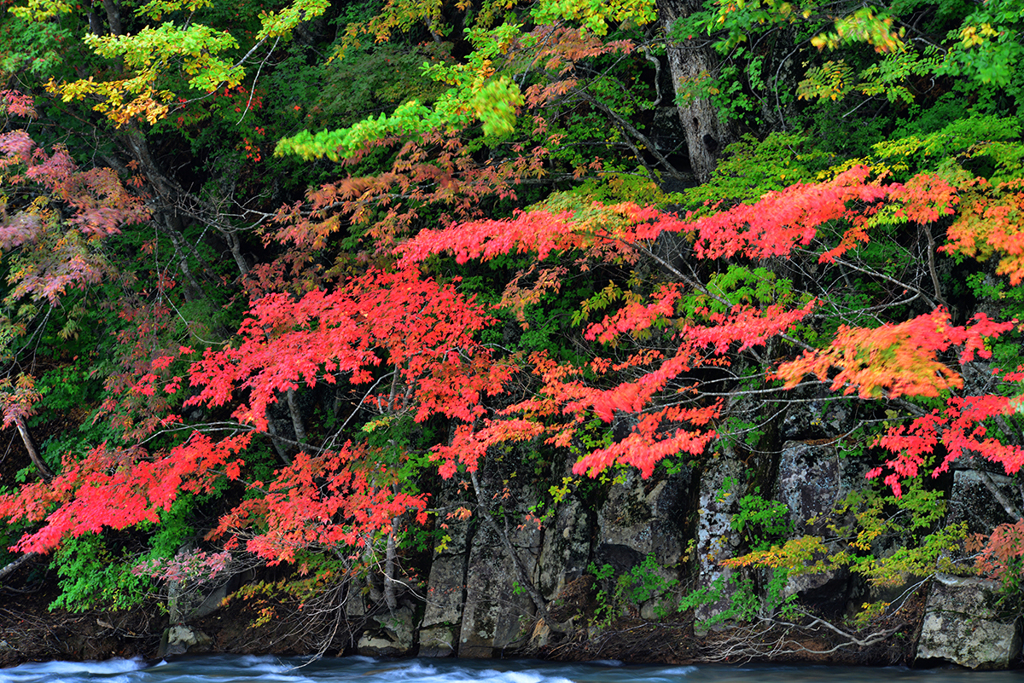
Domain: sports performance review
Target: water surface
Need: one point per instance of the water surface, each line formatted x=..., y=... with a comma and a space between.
x=247, y=669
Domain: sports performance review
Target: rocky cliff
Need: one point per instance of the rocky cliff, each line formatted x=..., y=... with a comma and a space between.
x=633, y=568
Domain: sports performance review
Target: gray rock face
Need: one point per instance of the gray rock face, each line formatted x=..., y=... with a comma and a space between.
x=474, y=605
x=440, y=640
x=646, y=516
x=972, y=501
x=446, y=587
x=641, y=518
x=475, y=609
x=496, y=614
x=355, y=605
x=961, y=628
x=809, y=482
x=390, y=635
x=565, y=551
x=720, y=487
x=817, y=418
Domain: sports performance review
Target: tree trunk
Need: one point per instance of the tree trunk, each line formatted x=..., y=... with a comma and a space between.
x=705, y=134
x=113, y=17
x=235, y=245
x=32, y=453
x=164, y=206
x=279, y=446
x=293, y=412
x=390, y=562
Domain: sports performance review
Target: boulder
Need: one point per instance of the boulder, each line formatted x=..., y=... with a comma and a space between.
x=190, y=600
x=188, y=605
x=180, y=639
x=392, y=634
x=440, y=640
x=960, y=626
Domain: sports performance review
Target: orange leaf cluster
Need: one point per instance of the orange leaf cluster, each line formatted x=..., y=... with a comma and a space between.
x=895, y=359
x=991, y=224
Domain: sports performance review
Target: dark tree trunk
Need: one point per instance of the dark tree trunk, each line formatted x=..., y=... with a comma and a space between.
x=113, y=17
x=706, y=136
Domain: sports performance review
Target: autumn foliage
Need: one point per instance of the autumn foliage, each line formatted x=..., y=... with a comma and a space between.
x=306, y=329
x=407, y=343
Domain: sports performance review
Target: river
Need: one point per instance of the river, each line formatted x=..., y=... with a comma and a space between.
x=236, y=669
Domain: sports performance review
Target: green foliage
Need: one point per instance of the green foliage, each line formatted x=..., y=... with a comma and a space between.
x=346, y=89
x=881, y=521
x=33, y=47
x=985, y=47
x=749, y=168
x=880, y=537
x=595, y=435
x=761, y=522
x=93, y=575
x=594, y=15
x=745, y=602
x=612, y=188
x=199, y=45
x=642, y=583
x=889, y=77
x=472, y=95
x=739, y=285
x=67, y=387
x=935, y=150
x=400, y=448
x=97, y=571
x=1009, y=600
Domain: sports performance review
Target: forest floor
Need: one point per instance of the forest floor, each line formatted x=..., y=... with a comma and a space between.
x=30, y=631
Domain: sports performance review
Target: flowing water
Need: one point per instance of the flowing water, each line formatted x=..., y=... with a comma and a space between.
x=236, y=669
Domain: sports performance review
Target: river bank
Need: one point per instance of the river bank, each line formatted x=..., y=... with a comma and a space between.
x=638, y=574
x=30, y=632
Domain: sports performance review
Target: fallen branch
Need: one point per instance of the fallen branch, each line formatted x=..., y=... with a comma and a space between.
x=13, y=566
